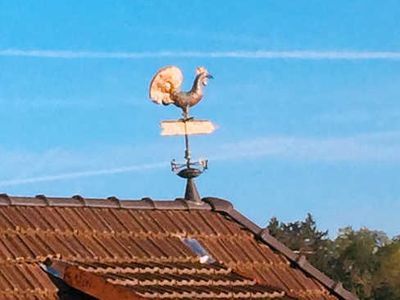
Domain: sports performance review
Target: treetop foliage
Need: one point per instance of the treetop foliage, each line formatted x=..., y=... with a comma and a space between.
x=367, y=262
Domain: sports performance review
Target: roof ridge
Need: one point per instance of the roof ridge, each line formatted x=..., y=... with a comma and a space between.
x=226, y=207
x=109, y=202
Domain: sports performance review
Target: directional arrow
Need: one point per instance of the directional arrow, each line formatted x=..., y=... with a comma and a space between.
x=188, y=127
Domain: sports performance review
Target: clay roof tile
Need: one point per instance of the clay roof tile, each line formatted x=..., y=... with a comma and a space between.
x=125, y=245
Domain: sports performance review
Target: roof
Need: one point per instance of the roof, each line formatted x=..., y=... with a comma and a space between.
x=110, y=248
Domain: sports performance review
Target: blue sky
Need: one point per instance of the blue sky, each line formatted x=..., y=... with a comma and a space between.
x=306, y=98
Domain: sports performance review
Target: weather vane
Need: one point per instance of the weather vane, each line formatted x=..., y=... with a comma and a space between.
x=165, y=89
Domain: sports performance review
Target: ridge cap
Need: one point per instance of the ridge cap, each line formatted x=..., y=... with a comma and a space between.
x=145, y=203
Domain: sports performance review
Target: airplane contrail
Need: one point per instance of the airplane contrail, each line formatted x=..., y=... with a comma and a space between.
x=357, y=148
x=259, y=54
x=73, y=175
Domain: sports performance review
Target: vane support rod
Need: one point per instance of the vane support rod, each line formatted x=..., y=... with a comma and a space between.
x=187, y=149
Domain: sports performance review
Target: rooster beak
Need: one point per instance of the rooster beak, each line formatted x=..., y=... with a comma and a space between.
x=209, y=76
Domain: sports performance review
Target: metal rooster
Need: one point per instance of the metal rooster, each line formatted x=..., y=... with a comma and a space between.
x=166, y=83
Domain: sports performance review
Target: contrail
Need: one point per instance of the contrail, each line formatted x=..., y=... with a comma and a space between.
x=73, y=175
x=369, y=147
x=259, y=54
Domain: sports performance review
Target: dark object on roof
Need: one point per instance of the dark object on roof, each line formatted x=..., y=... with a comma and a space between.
x=135, y=250
x=66, y=292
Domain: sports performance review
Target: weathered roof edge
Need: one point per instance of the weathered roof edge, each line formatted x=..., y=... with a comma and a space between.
x=224, y=206
x=89, y=283
x=208, y=203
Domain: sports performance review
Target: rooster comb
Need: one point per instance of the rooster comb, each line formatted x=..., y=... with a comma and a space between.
x=200, y=70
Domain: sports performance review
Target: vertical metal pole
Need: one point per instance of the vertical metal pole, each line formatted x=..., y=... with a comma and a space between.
x=191, y=192
x=187, y=150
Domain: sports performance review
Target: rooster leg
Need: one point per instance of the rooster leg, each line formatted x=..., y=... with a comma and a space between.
x=185, y=112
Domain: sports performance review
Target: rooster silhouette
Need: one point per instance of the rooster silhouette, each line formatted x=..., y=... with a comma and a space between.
x=166, y=83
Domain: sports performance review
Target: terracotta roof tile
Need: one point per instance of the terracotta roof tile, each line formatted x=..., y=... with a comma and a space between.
x=25, y=281
x=140, y=241
x=177, y=280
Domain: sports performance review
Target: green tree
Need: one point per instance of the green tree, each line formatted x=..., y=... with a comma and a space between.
x=304, y=238
x=387, y=276
x=367, y=262
x=355, y=259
